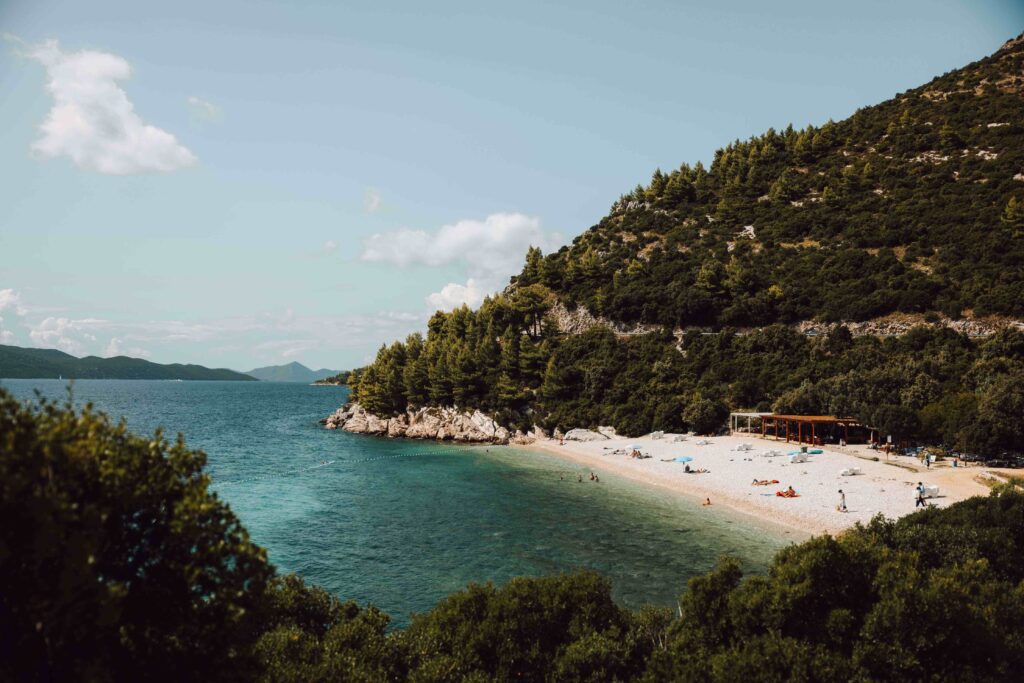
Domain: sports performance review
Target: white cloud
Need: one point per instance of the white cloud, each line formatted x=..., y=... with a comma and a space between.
x=93, y=122
x=6, y=336
x=330, y=246
x=10, y=299
x=264, y=338
x=490, y=250
x=207, y=111
x=66, y=334
x=371, y=200
x=453, y=295
x=116, y=348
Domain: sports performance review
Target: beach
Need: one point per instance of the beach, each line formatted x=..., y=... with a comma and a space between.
x=886, y=485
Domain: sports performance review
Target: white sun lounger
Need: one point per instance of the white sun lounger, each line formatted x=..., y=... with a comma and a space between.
x=850, y=471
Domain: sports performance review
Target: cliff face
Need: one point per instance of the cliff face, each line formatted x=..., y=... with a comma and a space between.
x=443, y=424
x=579, y=320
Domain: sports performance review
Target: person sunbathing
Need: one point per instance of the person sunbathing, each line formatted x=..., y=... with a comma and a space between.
x=700, y=471
x=764, y=482
x=788, y=493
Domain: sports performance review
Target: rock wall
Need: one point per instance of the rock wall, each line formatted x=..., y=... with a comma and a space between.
x=579, y=320
x=443, y=424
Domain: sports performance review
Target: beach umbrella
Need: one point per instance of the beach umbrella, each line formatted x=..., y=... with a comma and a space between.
x=636, y=446
x=684, y=458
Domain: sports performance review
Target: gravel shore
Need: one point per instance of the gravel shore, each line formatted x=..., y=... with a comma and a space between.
x=886, y=485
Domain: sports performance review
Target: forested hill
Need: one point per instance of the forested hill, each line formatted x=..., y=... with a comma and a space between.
x=21, y=363
x=292, y=372
x=913, y=205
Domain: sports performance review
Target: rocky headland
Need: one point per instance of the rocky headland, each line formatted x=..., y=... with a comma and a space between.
x=448, y=424
x=443, y=424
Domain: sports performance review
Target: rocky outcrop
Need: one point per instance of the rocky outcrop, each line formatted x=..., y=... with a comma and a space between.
x=900, y=323
x=579, y=320
x=584, y=435
x=444, y=424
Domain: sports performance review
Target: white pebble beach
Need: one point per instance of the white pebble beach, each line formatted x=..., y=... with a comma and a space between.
x=884, y=487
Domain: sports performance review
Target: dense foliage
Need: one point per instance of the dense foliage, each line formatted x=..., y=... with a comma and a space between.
x=115, y=560
x=117, y=563
x=931, y=384
x=17, y=362
x=913, y=205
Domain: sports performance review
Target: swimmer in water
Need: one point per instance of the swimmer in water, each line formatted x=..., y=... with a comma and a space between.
x=579, y=478
x=707, y=501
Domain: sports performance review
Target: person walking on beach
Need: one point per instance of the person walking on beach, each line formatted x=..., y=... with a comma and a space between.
x=842, y=501
x=920, y=496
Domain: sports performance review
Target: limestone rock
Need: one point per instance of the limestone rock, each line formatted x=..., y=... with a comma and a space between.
x=522, y=439
x=608, y=432
x=425, y=423
x=584, y=435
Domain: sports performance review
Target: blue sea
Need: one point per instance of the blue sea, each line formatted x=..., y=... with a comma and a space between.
x=401, y=524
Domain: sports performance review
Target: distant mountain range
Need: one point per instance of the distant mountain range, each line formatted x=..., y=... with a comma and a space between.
x=292, y=372
x=21, y=363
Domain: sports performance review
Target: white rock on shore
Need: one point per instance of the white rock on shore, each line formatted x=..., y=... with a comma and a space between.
x=425, y=423
x=584, y=435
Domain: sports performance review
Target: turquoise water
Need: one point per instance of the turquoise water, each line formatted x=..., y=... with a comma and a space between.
x=403, y=523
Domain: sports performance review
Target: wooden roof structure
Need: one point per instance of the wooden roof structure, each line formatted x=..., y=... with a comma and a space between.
x=806, y=426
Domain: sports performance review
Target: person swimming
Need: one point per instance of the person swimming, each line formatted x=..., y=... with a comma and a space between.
x=707, y=501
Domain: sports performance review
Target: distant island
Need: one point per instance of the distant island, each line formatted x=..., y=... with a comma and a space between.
x=292, y=372
x=21, y=363
x=338, y=379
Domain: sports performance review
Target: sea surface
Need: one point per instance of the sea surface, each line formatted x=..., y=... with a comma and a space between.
x=401, y=524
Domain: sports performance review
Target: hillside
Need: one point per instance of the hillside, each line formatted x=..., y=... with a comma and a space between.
x=911, y=210
x=22, y=363
x=913, y=205
x=292, y=372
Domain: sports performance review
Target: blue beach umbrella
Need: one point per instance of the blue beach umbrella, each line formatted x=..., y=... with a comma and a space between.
x=684, y=458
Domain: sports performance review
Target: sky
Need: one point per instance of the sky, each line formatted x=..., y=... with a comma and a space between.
x=240, y=184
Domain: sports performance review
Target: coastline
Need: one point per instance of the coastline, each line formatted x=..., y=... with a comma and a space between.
x=882, y=488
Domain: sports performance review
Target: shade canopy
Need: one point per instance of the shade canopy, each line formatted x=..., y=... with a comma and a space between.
x=684, y=458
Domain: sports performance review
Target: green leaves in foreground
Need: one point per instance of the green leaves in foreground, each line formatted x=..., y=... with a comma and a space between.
x=115, y=560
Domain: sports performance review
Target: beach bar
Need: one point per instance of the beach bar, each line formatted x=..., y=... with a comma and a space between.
x=811, y=429
x=735, y=418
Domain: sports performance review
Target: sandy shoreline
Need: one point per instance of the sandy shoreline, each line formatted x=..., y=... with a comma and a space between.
x=886, y=488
